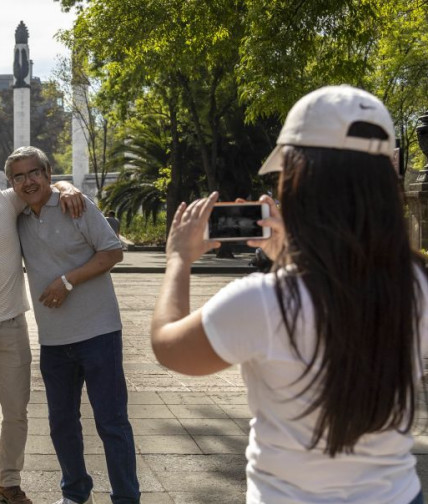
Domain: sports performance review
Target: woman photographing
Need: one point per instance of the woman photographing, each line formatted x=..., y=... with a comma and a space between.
x=331, y=341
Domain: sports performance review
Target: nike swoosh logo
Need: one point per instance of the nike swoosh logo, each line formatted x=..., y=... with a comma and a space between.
x=366, y=107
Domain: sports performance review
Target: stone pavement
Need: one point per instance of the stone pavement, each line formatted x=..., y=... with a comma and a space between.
x=190, y=433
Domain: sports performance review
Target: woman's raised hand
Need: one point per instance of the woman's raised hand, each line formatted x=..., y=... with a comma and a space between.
x=186, y=236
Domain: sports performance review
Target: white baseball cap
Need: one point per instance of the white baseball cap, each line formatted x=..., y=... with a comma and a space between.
x=323, y=119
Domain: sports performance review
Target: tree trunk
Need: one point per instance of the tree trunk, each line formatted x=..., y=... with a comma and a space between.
x=174, y=187
x=208, y=167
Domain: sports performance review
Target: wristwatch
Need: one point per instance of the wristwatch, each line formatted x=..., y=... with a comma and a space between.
x=66, y=283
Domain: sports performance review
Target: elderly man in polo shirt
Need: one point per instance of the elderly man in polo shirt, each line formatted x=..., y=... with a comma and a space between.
x=15, y=354
x=77, y=314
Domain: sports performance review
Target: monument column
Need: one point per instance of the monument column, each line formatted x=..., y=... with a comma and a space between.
x=79, y=126
x=21, y=88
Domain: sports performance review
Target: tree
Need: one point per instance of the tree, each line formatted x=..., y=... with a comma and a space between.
x=141, y=157
x=183, y=52
x=50, y=122
x=81, y=97
x=290, y=48
x=205, y=60
x=399, y=73
x=144, y=158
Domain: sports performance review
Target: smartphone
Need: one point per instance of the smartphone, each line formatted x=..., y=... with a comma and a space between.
x=237, y=222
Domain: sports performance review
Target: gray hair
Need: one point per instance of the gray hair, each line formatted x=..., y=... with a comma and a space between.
x=26, y=153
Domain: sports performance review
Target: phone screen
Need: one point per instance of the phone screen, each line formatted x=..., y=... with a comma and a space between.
x=235, y=221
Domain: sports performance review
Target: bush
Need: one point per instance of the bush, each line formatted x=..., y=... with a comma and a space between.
x=144, y=232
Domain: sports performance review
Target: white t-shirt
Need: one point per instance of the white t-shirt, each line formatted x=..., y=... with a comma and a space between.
x=13, y=298
x=244, y=325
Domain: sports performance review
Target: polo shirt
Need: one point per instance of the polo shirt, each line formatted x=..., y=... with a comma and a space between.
x=13, y=298
x=54, y=244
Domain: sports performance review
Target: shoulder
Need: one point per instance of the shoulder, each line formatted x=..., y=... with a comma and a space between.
x=94, y=226
x=254, y=284
x=252, y=294
x=92, y=212
x=9, y=197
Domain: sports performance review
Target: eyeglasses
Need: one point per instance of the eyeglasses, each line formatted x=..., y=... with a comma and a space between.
x=32, y=175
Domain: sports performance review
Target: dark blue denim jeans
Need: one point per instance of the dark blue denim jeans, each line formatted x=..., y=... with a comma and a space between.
x=419, y=499
x=98, y=363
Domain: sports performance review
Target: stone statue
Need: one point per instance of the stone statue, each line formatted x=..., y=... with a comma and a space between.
x=21, y=63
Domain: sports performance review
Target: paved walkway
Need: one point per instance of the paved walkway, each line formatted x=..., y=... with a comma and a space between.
x=190, y=432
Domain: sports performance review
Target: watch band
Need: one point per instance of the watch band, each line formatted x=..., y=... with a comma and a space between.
x=67, y=284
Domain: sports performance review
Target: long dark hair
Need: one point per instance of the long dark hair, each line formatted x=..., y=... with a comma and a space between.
x=347, y=241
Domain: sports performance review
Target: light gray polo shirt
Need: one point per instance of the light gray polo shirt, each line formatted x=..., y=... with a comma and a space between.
x=53, y=244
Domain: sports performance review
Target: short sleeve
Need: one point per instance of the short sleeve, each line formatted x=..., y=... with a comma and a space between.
x=17, y=203
x=235, y=319
x=96, y=230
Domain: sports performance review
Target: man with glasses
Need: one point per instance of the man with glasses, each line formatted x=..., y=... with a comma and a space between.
x=77, y=314
x=15, y=354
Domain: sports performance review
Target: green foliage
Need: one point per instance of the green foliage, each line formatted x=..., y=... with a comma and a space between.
x=290, y=48
x=129, y=195
x=67, y=5
x=213, y=67
x=143, y=232
x=63, y=155
x=179, y=54
x=399, y=69
x=141, y=157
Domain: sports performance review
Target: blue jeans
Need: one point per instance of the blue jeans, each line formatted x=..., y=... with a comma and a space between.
x=98, y=363
x=419, y=499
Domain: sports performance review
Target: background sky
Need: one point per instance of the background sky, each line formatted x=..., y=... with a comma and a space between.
x=43, y=19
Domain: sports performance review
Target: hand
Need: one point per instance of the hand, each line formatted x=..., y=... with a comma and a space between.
x=72, y=200
x=54, y=295
x=186, y=236
x=271, y=246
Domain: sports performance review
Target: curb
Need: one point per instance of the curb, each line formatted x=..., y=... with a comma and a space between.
x=219, y=270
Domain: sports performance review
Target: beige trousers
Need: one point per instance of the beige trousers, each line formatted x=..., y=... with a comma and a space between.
x=15, y=376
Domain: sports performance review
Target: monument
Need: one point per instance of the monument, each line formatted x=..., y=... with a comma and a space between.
x=79, y=123
x=79, y=131
x=22, y=75
x=21, y=88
